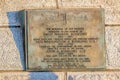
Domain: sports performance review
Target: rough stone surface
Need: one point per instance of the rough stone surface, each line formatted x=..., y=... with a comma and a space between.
x=32, y=76
x=111, y=7
x=93, y=76
x=86, y=3
x=113, y=47
x=10, y=7
x=11, y=49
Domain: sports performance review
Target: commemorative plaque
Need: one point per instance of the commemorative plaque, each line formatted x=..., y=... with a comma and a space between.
x=65, y=39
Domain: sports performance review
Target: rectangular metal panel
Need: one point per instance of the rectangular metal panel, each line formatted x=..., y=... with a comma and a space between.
x=65, y=39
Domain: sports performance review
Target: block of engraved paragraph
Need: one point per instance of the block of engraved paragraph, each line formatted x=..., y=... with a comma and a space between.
x=64, y=39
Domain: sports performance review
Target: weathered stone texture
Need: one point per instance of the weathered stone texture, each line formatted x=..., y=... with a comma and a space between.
x=16, y=5
x=11, y=49
x=113, y=47
x=93, y=76
x=32, y=76
x=111, y=7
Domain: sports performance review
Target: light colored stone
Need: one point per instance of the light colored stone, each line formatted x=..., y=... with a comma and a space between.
x=86, y=3
x=111, y=7
x=112, y=15
x=11, y=49
x=113, y=47
x=8, y=8
x=93, y=76
x=32, y=76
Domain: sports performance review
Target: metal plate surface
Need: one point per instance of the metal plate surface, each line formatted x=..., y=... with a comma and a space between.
x=65, y=39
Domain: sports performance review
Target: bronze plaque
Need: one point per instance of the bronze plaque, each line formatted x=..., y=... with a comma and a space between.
x=65, y=39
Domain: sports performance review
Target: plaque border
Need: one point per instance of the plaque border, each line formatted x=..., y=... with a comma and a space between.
x=59, y=70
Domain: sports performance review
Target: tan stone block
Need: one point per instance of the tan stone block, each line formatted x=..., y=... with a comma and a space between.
x=11, y=49
x=90, y=3
x=32, y=76
x=113, y=47
x=16, y=5
x=93, y=75
x=111, y=7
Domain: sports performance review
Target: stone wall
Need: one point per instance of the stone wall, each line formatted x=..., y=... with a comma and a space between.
x=11, y=42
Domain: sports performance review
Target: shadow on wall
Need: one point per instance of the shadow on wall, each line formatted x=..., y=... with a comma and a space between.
x=43, y=76
x=15, y=26
x=70, y=78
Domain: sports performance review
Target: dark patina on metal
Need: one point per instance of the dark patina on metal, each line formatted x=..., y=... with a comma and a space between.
x=64, y=39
